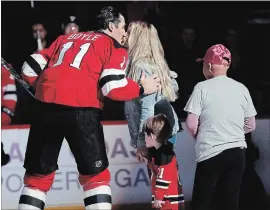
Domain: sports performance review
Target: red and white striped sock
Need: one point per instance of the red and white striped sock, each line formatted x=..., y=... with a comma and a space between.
x=32, y=199
x=98, y=198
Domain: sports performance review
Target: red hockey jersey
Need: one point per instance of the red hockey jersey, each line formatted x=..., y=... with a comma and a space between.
x=8, y=96
x=79, y=69
x=165, y=180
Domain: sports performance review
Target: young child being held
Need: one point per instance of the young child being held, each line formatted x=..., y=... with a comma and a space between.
x=166, y=186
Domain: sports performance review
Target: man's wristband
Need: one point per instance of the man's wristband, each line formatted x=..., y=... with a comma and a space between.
x=141, y=90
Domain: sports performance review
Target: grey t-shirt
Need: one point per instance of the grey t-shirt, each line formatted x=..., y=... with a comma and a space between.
x=222, y=105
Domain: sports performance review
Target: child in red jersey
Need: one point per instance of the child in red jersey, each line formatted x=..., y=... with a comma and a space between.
x=166, y=186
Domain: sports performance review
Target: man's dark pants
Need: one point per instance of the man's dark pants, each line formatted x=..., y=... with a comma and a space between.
x=218, y=180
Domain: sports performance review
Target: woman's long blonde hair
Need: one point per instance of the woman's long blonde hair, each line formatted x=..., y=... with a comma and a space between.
x=144, y=46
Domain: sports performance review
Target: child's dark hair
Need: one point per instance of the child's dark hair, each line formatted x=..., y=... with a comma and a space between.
x=160, y=127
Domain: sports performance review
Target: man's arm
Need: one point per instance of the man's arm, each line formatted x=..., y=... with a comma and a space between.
x=250, y=113
x=250, y=124
x=113, y=81
x=192, y=123
x=36, y=62
x=194, y=108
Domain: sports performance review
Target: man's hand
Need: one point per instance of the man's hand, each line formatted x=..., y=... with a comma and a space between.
x=141, y=154
x=158, y=203
x=150, y=84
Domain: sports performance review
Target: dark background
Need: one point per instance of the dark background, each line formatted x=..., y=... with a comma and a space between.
x=210, y=20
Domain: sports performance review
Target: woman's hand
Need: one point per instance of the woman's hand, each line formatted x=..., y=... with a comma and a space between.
x=150, y=84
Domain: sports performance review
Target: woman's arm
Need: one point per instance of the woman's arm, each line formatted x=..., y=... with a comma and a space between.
x=147, y=110
x=147, y=103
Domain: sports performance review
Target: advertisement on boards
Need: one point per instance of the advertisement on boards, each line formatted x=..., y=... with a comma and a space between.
x=129, y=180
x=128, y=177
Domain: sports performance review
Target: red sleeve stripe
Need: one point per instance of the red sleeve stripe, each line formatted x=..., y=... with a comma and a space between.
x=107, y=72
x=162, y=185
x=111, y=79
x=34, y=65
x=9, y=88
x=10, y=96
x=40, y=60
x=163, y=181
x=109, y=86
x=174, y=199
x=7, y=111
x=9, y=92
x=174, y=196
x=28, y=71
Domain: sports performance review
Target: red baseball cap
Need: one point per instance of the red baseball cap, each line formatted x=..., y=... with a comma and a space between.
x=216, y=54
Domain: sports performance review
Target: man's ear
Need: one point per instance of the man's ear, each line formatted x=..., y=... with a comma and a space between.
x=209, y=67
x=111, y=26
x=153, y=136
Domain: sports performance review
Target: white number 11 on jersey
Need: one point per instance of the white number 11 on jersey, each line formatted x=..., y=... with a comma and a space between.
x=160, y=173
x=78, y=58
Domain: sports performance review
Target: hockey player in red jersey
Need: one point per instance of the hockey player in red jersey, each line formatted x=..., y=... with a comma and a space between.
x=71, y=78
x=8, y=96
x=166, y=186
x=8, y=104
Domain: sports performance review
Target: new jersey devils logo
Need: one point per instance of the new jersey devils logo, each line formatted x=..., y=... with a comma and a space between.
x=122, y=64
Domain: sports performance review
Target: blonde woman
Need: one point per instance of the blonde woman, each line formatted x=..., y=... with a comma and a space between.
x=146, y=56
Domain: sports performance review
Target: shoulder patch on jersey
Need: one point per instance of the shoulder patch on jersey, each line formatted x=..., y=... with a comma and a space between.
x=124, y=61
x=116, y=44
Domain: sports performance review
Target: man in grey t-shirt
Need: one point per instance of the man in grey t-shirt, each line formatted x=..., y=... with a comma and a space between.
x=220, y=113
